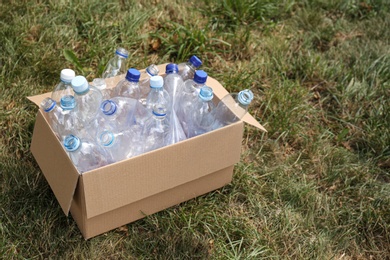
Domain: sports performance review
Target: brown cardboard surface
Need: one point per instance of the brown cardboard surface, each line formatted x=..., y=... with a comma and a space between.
x=146, y=175
x=147, y=206
x=59, y=171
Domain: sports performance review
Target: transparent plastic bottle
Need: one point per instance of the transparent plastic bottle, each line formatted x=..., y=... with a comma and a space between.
x=62, y=119
x=101, y=85
x=117, y=64
x=202, y=117
x=85, y=154
x=117, y=144
x=117, y=112
x=157, y=95
x=155, y=132
x=187, y=69
x=173, y=82
x=232, y=108
x=88, y=100
x=128, y=87
x=188, y=97
x=64, y=87
x=54, y=113
x=144, y=82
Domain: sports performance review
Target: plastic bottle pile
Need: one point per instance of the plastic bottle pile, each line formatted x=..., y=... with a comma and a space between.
x=143, y=112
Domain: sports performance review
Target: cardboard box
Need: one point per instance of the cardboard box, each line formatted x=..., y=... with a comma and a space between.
x=120, y=193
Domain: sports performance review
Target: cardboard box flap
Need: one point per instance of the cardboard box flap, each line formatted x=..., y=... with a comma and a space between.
x=220, y=92
x=132, y=180
x=55, y=164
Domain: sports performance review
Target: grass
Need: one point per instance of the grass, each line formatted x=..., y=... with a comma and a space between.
x=316, y=186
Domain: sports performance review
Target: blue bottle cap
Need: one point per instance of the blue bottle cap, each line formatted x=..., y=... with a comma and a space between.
x=80, y=84
x=195, y=61
x=106, y=138
x=156, y=82
x=171, y=68
x=133, y=75
x=48, y=104
x=68, y=102
x=122, y=52
x=71, y=143
x=200, y=76
x=245, y=97
x=206, y=93
x=108, y=107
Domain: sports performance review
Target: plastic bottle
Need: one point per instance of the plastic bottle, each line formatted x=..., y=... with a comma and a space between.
x=84, y=153
x=117, y=144
x=144, y=82
x=54, y=113
x=117, y=64
x=117, y=112
x=187, y=69
x=64, y=87
x=101, y=85
x=128, y=87
x=88, y=99
x=202, y=117
x=232, y=108
x=63, y=119
x=157, y=94
x=173, y=82
x=188, y=97
x=156, y=130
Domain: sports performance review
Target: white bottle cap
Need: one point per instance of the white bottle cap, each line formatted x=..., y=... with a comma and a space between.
x=67, y=75
x=79, y=84
x=156, y=82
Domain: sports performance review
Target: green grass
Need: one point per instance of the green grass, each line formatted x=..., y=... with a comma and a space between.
x=316, y=186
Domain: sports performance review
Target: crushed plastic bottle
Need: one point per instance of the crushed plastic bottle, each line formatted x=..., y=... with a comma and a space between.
x=85, y=154
x=117, y=144
x=117, y=112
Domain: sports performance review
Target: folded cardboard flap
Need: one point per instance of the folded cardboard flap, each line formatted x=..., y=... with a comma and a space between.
x=59, y=171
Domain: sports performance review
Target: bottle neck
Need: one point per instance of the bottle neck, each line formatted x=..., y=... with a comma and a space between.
x=108, y=107
x=107, y=139
x=191, y=66
x=82, y=92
